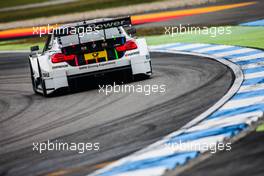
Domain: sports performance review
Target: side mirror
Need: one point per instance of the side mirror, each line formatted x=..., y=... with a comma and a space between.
x=34, y=51
x=131, y=31
x=34, y=48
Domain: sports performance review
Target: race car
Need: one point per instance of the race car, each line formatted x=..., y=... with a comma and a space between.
x=88, y=48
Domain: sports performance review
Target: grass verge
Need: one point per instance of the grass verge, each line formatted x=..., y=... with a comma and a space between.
x=260, y=128
x=22, y=44
x=243, y=36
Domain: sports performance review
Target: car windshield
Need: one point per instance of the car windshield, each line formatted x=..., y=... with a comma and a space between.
x=91, y=36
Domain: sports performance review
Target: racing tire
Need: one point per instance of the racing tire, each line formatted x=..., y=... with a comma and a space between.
x=33, y=82
x=43, y=85
x=127, y=76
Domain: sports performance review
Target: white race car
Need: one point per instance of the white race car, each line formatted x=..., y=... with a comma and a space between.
x=87, y=48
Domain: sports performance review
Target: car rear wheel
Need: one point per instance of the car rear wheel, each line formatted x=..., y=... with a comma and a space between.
x=34, y=85
x=127, y=76
x=43, y=85
x=42, y=82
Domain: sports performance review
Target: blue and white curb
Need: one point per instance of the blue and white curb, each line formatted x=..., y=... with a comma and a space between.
x=232, y=114
x=254, y=23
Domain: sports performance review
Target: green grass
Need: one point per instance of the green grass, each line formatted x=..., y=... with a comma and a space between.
x=79, y=6
x=243, y=36
x=260, y=128
x=12, y=3
x=22, y=44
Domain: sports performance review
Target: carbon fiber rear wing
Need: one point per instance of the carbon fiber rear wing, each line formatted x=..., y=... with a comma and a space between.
x=89, y=27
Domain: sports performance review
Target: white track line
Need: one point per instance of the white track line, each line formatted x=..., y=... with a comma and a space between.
x=246, y=58
x=250, y=88
x=164, y=46
x=187, y=47
x=239, y=103
x=254, y=75
x=229, y=53
x=212, y=48
x=155, y=171
x=253, y=65
x=227, y=121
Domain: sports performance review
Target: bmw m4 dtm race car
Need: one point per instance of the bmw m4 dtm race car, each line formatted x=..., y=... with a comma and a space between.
x=87, y=48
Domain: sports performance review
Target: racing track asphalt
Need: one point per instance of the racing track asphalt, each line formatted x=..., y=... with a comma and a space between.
x=246, y=158
x=121, y=122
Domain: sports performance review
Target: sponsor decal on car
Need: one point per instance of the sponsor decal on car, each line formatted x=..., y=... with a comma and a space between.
x=96, y=65
x=131, y=54
x=59, y=66
x=45, y=74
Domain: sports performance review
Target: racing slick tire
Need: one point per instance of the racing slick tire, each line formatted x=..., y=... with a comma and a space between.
x=42, y=81
x=33, y=82
x=43, y=85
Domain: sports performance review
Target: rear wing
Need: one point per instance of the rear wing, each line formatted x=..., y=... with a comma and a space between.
x=92, y=26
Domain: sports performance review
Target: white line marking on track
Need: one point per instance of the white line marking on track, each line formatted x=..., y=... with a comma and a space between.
x=234, y=104
x=229, y=53
x=164, y=46
x=253, y=65
x=250, y=88
x=187, y=47
x=254, y=75
x=246, y=58
x=153, y=171
x=227, y=121
x=212, y=48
